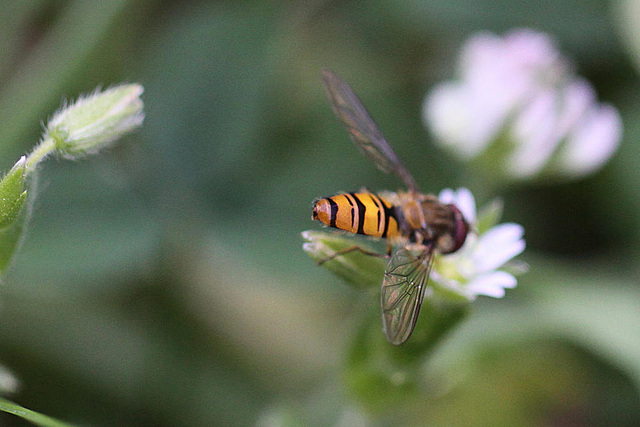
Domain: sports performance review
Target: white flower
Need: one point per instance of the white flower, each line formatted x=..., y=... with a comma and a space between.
x=519, y=109
x=8, y=382
x=475, y=268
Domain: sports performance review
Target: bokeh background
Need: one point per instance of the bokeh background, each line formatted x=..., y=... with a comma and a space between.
x=163, y=282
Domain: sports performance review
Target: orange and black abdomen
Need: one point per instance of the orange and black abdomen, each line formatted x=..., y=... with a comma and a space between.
x=359, y=213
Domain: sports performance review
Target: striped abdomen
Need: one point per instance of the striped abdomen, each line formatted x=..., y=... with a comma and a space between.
x=360, y=213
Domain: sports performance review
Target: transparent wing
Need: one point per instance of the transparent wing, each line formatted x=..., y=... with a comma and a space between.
x=405, y=279
x=364, y=132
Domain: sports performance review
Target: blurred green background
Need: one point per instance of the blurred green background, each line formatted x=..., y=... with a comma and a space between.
x=163, y=282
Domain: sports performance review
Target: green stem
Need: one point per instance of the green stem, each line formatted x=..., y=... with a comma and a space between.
x=40, y=152
x=29, y=415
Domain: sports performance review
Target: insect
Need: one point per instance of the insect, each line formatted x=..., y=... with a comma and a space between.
x=417, y=225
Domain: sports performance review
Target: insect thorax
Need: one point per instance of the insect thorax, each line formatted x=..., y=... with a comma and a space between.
x=423, y=219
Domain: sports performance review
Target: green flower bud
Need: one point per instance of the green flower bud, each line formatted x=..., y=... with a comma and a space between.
x=355, y=267
x=94, y=121
x=12, y=194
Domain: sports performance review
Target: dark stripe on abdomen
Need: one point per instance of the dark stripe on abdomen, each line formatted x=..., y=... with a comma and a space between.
x=361, y=212
x=334, y=212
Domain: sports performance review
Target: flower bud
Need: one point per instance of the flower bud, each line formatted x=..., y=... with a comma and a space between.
x=355, y=267
x=94, y=121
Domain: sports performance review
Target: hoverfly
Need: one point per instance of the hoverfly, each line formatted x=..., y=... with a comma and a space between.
x=416, y=224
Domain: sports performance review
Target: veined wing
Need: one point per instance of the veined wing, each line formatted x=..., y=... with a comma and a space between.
x=405, y=279
x=362, y=128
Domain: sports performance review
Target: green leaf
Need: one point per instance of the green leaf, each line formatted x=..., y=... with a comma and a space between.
x=15, y=217
x=12, y=194
x=9, y=242
x=383, y=376
x=489, y=215
x=29, y=415
x=601, y=317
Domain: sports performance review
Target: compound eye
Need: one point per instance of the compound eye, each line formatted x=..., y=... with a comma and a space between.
x=460, y=229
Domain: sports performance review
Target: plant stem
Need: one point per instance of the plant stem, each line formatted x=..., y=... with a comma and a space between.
x=40, y=152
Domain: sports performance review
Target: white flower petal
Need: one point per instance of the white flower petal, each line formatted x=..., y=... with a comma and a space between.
x=497, y=246
x=502, y=234
x=467, y=204
x=492, y=284
x=463, y=199
x=592, y=142
x=535, y=135
x=577, y=98
x=471, y=271
x=447, y=195
x=454, y=121
x=530, y=50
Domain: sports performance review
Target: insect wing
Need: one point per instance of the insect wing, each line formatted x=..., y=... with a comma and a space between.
x=363, y=130
x=405, y=279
